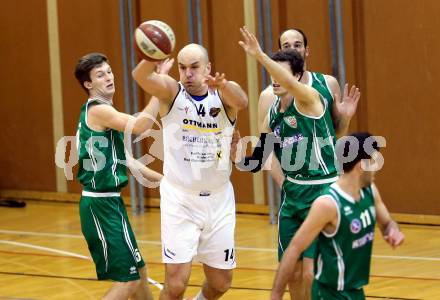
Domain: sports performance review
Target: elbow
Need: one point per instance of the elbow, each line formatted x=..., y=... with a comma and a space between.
x=135, y=74
x=243, y=103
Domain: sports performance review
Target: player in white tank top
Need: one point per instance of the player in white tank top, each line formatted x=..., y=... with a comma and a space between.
x=199, y=145
x=197, y=199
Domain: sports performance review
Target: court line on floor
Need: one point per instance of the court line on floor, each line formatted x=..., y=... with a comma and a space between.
x=77, y=236
x=189, y=285
x=67, y=253
x=157, y=284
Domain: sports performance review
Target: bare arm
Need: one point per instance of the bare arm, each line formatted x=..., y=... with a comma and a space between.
x=162, y=86
x=344, y=106
x=102, y=117
x=389, y=228
x=301, y=92
x=233, y=96
x=267, y=98
x=323, y=212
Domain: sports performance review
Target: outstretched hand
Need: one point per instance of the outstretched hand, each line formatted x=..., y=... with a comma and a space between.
x=165, y=66
x=250, y=43
x=216, y=82
x=346, y=107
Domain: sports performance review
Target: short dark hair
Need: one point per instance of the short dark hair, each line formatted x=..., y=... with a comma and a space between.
x=296, y=29
x=366, y=142
x=86, y=64
x=291, y=56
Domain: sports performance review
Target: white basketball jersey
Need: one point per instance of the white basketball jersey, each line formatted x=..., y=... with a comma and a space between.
x=197, y=137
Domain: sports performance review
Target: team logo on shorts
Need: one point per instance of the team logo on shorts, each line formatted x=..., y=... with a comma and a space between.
x=355, y=226
x=291, y=121
x=214, y=111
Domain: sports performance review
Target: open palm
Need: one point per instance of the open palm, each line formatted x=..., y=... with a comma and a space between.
x=250, y=43
x=347, y=106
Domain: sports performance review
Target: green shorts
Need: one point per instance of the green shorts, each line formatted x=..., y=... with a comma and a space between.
x=323, y=292
x=295, y=205
x=111, y=241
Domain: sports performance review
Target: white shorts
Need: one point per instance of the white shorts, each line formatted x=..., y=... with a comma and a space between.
x=197, y=225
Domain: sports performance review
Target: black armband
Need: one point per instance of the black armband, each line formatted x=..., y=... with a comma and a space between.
x=267, y=143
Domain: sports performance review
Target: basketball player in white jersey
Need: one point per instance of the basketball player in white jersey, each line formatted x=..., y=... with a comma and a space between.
x=198, y=114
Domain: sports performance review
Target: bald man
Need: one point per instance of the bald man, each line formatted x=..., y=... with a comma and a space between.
x=198, y=115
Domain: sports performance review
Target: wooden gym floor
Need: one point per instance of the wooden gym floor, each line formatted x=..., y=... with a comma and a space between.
x=44, y=256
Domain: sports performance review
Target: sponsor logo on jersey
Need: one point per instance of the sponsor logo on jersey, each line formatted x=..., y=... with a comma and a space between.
x=214, y=111
x=367, y=238
x=355, y=226
x=199, y=124
x=291, y=121
x=288, y=141
x=133, y=270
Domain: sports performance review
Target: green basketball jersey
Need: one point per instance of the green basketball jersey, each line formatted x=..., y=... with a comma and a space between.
x=101, y=156
x=343, y=258
x=320, y=84
x=307, y=143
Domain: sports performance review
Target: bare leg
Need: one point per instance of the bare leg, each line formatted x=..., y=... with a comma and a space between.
x=296, y=287
x=307, y=277
x=143, y=291
x=121, y=290
x=176, y=279
x=217, y=282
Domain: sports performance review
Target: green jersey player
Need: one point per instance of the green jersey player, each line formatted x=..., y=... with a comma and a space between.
x=343, y=218
x=102, y=172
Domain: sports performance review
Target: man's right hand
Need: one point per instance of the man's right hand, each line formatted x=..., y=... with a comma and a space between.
x=165, y=66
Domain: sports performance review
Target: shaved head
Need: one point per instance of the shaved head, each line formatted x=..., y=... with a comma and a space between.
x=193, y=52
x=194, y=66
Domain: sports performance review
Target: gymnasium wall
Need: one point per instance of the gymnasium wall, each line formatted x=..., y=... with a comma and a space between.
x=390, y=52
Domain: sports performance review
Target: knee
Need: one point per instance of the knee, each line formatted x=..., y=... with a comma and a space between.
x=221, y=285
x=175, y=286
x=128, y=288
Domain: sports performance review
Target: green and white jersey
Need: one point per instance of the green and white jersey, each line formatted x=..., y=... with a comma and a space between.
x=318, y=82
x=343, y=258
x=101, y=156
x=307, y=142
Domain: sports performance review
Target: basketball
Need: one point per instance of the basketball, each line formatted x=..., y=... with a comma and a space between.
x=155, y=40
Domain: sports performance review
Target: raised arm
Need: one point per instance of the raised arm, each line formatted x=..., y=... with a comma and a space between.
x=162, y=86
x=233, y=96
x=389, y=228
x=322, y=213
x=344, y=106
x=301, y=92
